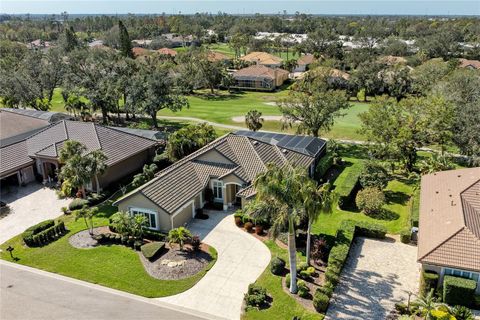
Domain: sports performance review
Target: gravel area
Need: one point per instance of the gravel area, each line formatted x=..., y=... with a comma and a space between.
x=176, y=264
x=83, y=239
x=376, y=275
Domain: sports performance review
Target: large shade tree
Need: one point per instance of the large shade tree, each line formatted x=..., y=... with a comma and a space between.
x=254, y=120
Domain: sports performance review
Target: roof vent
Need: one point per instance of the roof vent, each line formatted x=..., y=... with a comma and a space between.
x=284, y=150
x=255, y=142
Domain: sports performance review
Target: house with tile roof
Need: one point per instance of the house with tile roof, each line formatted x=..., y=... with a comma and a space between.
x=223, y=171
x=449, y=224
x=469, y=64
x=304, y=62
x=16, y=125
x=35, y=152
x=259, y=77
x=263, y=58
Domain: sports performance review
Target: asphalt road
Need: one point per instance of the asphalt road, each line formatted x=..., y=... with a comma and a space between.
x=30, y=294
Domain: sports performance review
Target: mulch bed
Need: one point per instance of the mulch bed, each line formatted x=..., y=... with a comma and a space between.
x=306, y=303
x=193, y=263
x=83, y=239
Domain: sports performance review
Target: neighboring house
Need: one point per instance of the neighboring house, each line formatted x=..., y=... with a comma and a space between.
x=39, y=45
x=16, y=125
x=214, y=56
x=176, y=40
x=96, y=44
x=226, y=167
x=470, y=64
x=303, y=62
x=126, y=152
x=167, y=51
x=138, y=52
x=142, y=42
x=449, y=225
x=258, y=77
x=263, y=58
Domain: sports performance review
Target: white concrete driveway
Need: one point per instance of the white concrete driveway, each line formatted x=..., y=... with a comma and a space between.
x=376, y=275
x=241, y=260
x=27, y=206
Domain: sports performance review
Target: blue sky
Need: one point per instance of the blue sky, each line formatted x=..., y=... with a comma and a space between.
x=391, y=7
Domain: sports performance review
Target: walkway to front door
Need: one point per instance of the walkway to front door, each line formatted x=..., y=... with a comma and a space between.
x=241, y=260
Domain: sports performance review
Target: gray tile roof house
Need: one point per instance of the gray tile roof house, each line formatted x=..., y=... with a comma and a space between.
x=31, y=145
x=449, y=226
x=16, y=125
x=227, y=166
x=125, y=152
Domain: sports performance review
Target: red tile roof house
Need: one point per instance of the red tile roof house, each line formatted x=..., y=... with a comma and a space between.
x=259, y=77
x=227, y=167
x=449, y=225
x=38, y=153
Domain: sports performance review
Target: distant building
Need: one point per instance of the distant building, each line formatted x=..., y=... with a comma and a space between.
x=138, y=52
x=259, y=77
x=214, y=56
x=167, y=51
x=263, y=58
x=392, y=60
x=303, y=62
x=470, y=64
x=142, y=42
x=39, y=45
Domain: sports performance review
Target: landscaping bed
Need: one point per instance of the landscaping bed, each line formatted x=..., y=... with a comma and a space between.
x=84, y=240
x=177, y=264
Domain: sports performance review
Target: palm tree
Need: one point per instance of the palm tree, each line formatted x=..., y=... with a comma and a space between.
x=179, y=235
x=426, y=304
x=317, y=200
x=279, y=199
x=121, y=222
x=87, y=215
x=75, y=166
x=97, y=165
x=254, y=120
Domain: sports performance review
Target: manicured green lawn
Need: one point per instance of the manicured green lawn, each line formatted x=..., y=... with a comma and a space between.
x=396, y=214
x=283, y=306
x=113, y=266
x=222, y=107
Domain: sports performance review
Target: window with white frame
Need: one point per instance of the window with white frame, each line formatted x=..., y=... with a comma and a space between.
x=217, y=187
x=150, y=215
x=460, y=273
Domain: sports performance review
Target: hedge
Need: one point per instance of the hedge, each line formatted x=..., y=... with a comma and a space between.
x=320, y=301
x=458, y=291
x=428, y=281
x=43, y=233
x=325, y=163
x=405, y=236
x=77, y=204
x=150, y=250
x=349, y=184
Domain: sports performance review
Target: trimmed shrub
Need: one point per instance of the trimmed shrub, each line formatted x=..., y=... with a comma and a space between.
x=332, y=277
x=374, y=175
x=256, y=296
x=405, y=236
x=326, y=290
x=249, y=226
x=325, y=163
x=301, y=266
x=441, y=315
x=287, y=280
x=428, y=281
x=150, y=250
x=277, y=266
x=462, y=313
x=320, y=301
x=307, y=273
x=370, y=200
x=77, y=204
x=29, y=234
x=303, y=290
x=258, y=229
x=458, y=291
x=154, y=235
x=350, y=184
x=238, y=221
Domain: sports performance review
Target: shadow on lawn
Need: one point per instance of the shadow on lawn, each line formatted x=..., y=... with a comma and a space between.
x=220, y=97
x=385, y=214
x=396, y=197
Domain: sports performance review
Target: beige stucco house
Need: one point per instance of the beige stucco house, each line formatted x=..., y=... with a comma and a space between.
x=449, y=225
x=224, y=169
x=258, y=77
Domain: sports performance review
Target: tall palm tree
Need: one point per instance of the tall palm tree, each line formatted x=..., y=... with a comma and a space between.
x=254, y=120
x=317, y=200
x=279, y=199
x=97, y=165
x=87, y=215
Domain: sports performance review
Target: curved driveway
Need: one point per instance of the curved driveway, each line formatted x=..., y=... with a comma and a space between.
x=241, y=260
